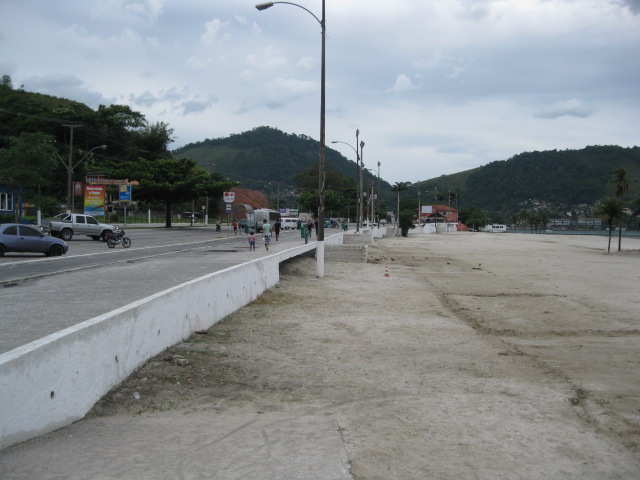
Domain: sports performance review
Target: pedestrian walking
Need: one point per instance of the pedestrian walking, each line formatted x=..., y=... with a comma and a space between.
x=252, y=240
x=234, y=224
x=266, y=231
x=276, y=228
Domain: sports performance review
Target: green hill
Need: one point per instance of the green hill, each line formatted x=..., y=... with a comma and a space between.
x=562, y=178
x=266, y=155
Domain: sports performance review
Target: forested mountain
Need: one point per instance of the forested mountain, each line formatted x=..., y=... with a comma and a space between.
x=266, y=155
x=567, y=177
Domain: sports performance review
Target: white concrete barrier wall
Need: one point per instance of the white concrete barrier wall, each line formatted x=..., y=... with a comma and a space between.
x=56, y=380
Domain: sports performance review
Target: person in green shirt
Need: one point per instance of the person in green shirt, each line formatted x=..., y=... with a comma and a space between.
x=266, y=231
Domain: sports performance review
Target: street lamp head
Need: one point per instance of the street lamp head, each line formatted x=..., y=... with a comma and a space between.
x=361, y=143
x=264, y=6
x=102, y=146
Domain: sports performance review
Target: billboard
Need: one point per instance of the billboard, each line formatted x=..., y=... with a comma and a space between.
x=427, y=209
x=94, y=199
x=124, y=194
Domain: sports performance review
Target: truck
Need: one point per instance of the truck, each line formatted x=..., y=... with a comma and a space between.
x=66, y=225
x=263, y=214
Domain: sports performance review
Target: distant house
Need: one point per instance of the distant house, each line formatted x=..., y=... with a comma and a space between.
x=438, y=214
x=245, y=202
x=441, y=217
x=592, y=223
x=9, y=204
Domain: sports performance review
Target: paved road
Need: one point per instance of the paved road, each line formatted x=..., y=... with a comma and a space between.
x=41, y=295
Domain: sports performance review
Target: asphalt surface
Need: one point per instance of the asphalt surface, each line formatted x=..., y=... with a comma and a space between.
x=42, y=295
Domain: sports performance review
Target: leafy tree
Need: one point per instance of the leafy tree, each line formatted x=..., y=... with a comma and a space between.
x=171, y=181
x=610, y=210
x=333, y=202
x=6, y=82
x=120, y=117
x=537, y=220
x=406, y=222
x=309, y=201
x=622, y=186
x=27, y=163
x=154, y=139
x=474, y=218
x=497, y=218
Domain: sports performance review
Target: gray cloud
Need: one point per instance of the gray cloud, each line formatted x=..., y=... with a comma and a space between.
x=450, y=85
x=195, y=106
x=633, y=5
x=566, y=108
x=65, y=86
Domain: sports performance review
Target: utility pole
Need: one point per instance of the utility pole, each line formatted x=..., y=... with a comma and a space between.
x=70, y=170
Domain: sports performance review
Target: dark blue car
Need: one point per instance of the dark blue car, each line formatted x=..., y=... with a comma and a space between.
x=19, y=238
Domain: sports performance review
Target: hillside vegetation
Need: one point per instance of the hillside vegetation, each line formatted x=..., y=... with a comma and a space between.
x=266, y=158
x=266, y=155
x=567, y=177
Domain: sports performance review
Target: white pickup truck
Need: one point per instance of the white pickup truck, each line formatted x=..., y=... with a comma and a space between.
x=66, y=225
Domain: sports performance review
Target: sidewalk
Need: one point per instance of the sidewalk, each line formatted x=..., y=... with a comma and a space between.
x=240, y=444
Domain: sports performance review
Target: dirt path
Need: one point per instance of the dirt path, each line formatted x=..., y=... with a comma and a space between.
x=479, y=356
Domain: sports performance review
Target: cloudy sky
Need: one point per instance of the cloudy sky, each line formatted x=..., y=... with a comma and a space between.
x=434, y=86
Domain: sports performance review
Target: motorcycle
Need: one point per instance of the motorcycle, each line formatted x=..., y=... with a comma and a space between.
x=118, y=237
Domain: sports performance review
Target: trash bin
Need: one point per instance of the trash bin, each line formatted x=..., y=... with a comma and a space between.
x=246, y=229
x=303, y=231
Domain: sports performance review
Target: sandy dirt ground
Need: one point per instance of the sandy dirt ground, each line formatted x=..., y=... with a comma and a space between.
x=453, y=356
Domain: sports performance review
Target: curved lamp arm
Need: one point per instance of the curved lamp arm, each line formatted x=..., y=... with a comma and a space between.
x=351, y=146
x=86, y=155
x=264, y=6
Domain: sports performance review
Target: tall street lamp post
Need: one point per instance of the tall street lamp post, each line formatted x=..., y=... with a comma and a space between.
x=206, y=205
x=378, y=204
x=358, y=179
x=372, y=199
x=70, y=168
x=321, y=168
x=361, y=183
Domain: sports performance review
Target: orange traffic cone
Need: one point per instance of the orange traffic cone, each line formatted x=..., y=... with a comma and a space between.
x=386, y=271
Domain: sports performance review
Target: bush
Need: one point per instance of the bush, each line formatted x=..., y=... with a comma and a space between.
x=406, y=222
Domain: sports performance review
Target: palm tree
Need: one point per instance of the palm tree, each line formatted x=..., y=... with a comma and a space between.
x=622, y=186
x=515, y=220
x=399, y=187
x=610, y=210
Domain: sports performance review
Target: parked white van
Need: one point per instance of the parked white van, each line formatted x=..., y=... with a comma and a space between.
x=289, y=223
x=495, y=228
